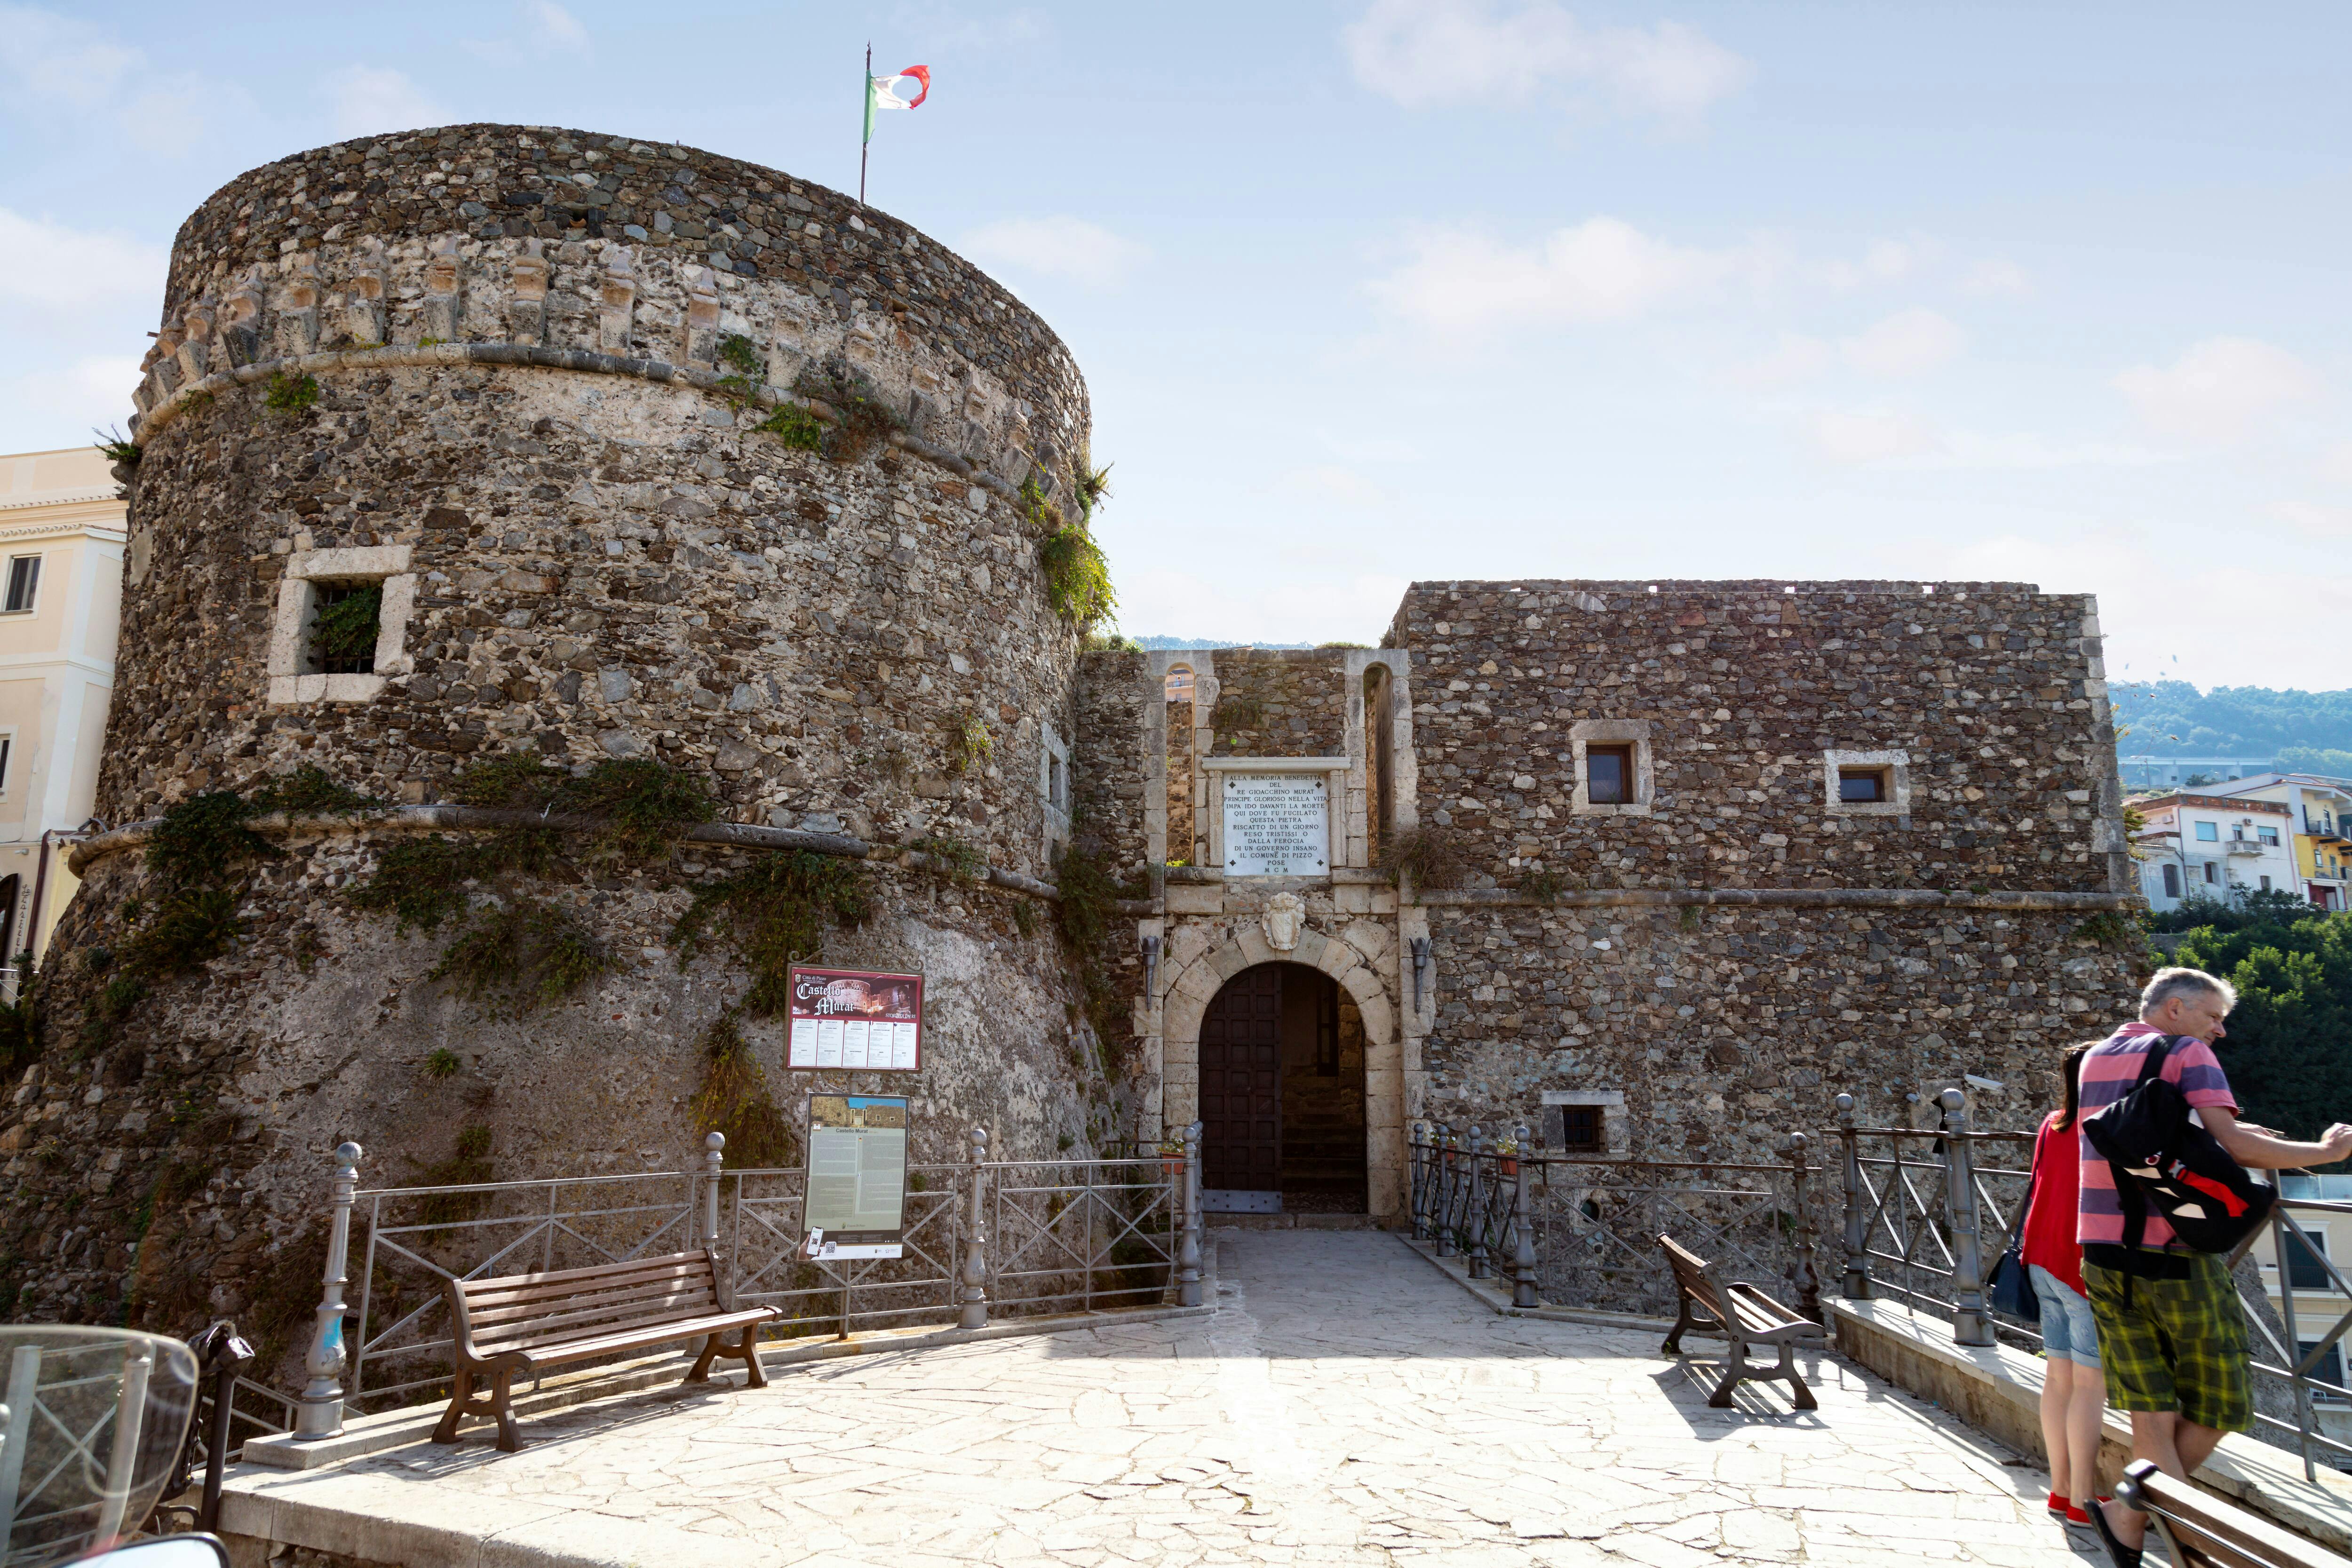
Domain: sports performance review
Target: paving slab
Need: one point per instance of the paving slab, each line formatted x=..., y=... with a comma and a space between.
x=1343, y=1405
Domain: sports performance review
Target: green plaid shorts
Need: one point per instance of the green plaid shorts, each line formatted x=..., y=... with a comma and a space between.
x=2174, y=1344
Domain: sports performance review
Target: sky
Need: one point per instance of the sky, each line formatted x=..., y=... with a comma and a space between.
x=1372, y=291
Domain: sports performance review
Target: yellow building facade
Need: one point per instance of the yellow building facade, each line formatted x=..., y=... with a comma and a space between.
x=61, y=548
x=2322, y=809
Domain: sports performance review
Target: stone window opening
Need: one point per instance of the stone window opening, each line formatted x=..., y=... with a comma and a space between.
x=1866, y=783
x=1178, y=685
x=24, y=584
x=1613, y=769
x=320, y=649
x=1587, y=1122
x=1053, y=785
x=346, y=618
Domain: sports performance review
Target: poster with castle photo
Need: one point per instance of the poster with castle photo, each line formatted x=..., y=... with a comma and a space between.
x=856, y=1020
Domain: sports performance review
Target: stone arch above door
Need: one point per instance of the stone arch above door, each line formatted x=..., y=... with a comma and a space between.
x=1193, y=987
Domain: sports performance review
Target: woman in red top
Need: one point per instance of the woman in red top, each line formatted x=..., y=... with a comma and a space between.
x=2074, y=1390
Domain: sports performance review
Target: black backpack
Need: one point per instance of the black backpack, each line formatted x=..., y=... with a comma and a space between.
x=2166, y=1163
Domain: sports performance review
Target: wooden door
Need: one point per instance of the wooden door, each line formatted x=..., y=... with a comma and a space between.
x=1241, y=1084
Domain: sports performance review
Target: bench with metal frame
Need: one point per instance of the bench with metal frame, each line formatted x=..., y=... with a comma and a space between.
x=1741, y=1315
x=2201, y=1530
x=525, y=1323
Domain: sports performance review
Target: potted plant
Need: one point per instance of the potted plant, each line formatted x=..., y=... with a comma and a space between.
x=1171, y=1155
x=1506, y=1155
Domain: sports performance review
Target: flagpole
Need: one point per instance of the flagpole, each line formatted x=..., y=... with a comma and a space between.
x=868, y=140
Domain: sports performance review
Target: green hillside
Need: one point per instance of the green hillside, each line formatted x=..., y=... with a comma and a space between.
x=2310, y=730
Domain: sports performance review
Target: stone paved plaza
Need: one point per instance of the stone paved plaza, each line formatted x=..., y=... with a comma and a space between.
x=1345, y=1405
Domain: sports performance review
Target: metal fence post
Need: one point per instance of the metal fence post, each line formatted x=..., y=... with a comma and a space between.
x=1857, y=1219
x=975, y=1250
x=1188, y=1261
x=1971, y=1325
x=1481, y=1265
x=321, y=1411
x=1417, y=1166
x=714, y=1160
x=1809, y=1279
x=1523, y=1247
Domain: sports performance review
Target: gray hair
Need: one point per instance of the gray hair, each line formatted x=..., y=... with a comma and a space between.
x=2166, y=984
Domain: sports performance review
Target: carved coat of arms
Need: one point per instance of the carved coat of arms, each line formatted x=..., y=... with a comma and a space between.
x=1284, y=914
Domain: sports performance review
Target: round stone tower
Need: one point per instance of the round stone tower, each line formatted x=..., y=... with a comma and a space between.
x=496, y=444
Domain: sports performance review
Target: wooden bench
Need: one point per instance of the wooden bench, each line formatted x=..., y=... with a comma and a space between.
x=525, y=1323
x=1744, y=1316
x=2201, y=1530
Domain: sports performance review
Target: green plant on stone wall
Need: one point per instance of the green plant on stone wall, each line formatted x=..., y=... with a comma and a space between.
x=968, y=745
x=867, y=419
x=117, y=447
x=526, y=952
x=742, y=356
x=775, y=913
x=442, y=1063
x=1037, y=510
x=734, y=1100
x=1090, y=484
x=1543, y=887
x=1024, y=918
x=291, y=394
x=952, y=859
x=2114, y=930
x=1236, y=712
x=1077, y=577
x=795, y=426
x=309, y=792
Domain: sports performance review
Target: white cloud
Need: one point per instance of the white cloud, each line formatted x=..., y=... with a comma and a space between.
x=1854, y=436
x=48, y=264
x=1795, y=358
x=2278, y=620
x=58, y=407
x=554, y=25
x=169, y=119
x=2218, y=390
x=366, y=100
x=1904, y=344
x=1602, y=269
x=2319, y=522
x=2336, y=463
x=1423, y=52
x=1881, y=261
x=1996, y=277
x=60, y=57
x=1058, y=246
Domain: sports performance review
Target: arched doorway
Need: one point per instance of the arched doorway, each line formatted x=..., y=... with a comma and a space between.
x=1282, y=1095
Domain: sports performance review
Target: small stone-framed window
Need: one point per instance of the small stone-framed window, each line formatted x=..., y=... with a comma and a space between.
x=1866, y=783
x=1611, y=759
x=1585, y=1121
x=319, y=647
x=1053, y=787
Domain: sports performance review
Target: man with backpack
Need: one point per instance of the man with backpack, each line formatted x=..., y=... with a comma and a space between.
x=2172, y=1336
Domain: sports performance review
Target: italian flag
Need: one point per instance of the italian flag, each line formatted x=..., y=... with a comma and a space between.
x=882, y=92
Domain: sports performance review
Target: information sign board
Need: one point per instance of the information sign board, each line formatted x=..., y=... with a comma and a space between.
x=856, y=1020
x=1277, y=824
x=857, y=1175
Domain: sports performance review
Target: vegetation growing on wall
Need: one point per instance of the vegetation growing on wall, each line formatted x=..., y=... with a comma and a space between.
x=1434, y=856
x=970, y=744
x=346, y=630
x=866, y=416
x=775, y=913
x=734, y=1101
x=290, y=395
x=1077, y=577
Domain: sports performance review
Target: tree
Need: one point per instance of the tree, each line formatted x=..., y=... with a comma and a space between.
x=2288, y=1050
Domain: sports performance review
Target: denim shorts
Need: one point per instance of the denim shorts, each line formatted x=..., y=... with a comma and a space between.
x=2068, y=1332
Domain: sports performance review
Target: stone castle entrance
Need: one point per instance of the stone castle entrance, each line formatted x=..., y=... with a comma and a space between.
x=1282, y=1094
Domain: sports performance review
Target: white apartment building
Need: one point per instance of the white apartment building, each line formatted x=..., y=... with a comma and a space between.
x=61, y=542
x=2322, y=809
x=2213, y=846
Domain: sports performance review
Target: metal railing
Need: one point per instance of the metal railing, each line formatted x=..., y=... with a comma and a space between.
x=1582, y=1230
x=1932, y=1209
x=1081, y=1235
x=1916, y=1200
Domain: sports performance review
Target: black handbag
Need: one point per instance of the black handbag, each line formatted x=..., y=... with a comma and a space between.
x=2010, y=1291
x=2168, y=1165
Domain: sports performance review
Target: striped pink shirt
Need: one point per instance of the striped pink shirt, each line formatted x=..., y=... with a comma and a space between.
x=2109, y=1071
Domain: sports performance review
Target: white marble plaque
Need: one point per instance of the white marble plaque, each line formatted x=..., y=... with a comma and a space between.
x=1277, y=824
